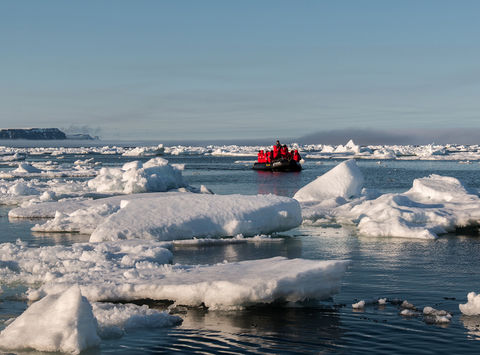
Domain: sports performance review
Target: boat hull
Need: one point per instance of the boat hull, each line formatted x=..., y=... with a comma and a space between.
x=278, y=165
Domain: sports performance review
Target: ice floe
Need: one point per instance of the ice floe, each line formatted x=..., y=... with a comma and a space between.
x=434, y=205
x=167, y=216
x=133, y=177
x=132, y=270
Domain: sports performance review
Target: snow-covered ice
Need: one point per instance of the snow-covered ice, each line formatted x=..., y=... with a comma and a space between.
x=132, y=270
x=343, y=181
x=61, y=322
x=168, y=216
x=133, y=177
x=359, y=305
x=115, y=319
x=434, y=205
x=472, y=307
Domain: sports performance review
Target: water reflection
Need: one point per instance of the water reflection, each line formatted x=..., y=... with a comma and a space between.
x=472, y=324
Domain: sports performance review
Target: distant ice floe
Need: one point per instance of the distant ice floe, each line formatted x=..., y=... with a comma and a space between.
x=310, y=151
x=145, y=151
x=434, y=205
x=167, y=216
x=472, y=307
x=133, y=177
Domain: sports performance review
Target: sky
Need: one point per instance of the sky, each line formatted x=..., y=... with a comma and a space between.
x=245, y=69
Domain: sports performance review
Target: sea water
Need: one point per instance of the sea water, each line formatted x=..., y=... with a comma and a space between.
x=437, y=273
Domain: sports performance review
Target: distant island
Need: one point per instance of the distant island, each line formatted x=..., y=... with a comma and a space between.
x=39, y=133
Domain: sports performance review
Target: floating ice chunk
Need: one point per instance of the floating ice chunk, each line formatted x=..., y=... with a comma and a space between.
x=154, y=175
x=359, y=305
x=434, y=205
x=116, y=319
x=145, y=151
x=407, y=305
x=58, y=322
x=26, y=168
x=345, y=180
x=434, y=316
x=382, y=301
x=472, y=307
x=408, y=313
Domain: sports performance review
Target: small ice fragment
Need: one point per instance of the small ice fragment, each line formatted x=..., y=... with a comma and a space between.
x=382, y=301
x=408, y=313
x=359, y=305
x=405, y=304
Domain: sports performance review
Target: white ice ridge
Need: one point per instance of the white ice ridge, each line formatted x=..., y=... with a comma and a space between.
x=61, y=322
x=434, y=205
x=472, y=307
x=169, y=216
x=131, y=270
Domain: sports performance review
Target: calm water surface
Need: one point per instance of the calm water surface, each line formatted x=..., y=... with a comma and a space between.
x=426, y=273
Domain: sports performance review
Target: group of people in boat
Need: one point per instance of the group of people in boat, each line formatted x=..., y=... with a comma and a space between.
x=279, y=152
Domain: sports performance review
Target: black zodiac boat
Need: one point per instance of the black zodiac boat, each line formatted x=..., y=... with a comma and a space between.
x=278, y=165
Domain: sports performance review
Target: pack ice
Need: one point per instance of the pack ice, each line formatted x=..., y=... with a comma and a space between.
x=434, y=205
x=133, y=177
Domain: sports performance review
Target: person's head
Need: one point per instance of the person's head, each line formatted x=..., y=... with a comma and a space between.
x=296, y=150
x=278, y=142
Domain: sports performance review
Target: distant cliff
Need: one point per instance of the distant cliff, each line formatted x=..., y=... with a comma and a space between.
x=32, y=133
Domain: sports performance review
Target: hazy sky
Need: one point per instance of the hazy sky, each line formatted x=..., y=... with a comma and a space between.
x=239, y=69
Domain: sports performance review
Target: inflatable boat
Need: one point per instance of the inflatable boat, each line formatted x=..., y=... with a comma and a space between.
x=278, y=165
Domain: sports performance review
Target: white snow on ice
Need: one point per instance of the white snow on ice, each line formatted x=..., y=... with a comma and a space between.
x=472, y=307
x=168, y=216
x=434, y=205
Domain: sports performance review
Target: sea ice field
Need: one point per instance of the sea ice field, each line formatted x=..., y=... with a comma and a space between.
x=134, y=248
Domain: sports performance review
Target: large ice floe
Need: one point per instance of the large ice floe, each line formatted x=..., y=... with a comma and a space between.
x=167, y=216
x=133, y=270
x=434, y=205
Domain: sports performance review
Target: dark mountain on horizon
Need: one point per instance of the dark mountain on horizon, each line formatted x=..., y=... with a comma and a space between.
x=32, y=133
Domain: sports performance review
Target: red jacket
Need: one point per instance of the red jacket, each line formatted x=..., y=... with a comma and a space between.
x=296, y=156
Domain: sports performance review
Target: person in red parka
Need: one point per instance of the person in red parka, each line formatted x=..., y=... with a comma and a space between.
x=284, y=151
x=269, y=156
x=261, y=157
x=296, y=156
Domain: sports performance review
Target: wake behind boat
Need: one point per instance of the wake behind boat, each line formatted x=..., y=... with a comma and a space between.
x=278, y=159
